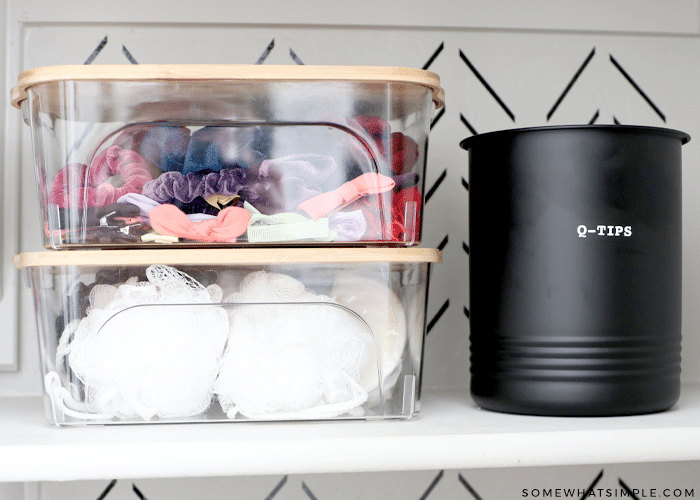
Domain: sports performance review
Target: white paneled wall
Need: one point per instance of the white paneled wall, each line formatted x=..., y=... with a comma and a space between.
x=503, y=64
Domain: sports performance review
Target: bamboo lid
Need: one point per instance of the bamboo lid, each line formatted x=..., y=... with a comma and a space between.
x=230, y=256
x=204, y=74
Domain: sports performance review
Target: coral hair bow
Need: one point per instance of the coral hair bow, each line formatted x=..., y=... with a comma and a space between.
x=364, y=185
x=228, y=225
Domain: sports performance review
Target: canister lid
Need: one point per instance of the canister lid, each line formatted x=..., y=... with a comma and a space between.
x=228, y=256
x=208, y=74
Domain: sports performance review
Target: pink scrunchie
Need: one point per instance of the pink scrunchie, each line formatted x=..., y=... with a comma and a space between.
x=77, y=186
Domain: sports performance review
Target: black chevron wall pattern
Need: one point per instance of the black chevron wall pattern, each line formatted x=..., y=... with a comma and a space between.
x=97, y=50
x=445, y=177
x=570, y=84
x=434, y=187
x=486, y=85
x=586, y=488
x=106, y=491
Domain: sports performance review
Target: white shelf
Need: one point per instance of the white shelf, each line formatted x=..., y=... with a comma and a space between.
x=450, y=433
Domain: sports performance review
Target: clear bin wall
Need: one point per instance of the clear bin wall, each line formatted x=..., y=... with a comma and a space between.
x=237, y=343
x=266, y=147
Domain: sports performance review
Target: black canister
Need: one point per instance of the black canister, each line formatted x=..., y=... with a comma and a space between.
x=575, y=269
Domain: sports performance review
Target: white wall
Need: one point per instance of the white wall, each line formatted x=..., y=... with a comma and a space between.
x=528, y=52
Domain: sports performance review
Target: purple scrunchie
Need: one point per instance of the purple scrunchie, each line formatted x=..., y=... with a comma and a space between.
x=173, y=186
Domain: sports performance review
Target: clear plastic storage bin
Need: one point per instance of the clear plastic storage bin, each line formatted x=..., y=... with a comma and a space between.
x=222, y=155
x=230, y=334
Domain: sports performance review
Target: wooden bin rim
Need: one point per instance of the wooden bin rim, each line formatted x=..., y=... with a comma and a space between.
x=231, y=256
x=221, y=72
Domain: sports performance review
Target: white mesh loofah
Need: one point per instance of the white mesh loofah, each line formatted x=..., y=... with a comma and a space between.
x=379, y=306
x=301, y=360
x=149, y=348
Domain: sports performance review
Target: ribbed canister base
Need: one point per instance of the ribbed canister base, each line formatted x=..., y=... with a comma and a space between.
x=577, y=376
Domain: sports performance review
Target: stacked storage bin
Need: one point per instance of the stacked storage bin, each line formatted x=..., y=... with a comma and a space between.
x=235, y=242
